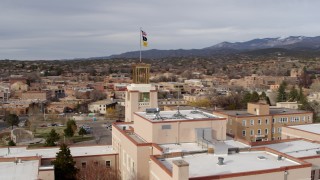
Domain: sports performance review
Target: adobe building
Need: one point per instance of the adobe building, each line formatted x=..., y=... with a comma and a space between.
x=307, y=131
x=155, y=132
x=35, y=163
x=262, y=123
x=302, y=149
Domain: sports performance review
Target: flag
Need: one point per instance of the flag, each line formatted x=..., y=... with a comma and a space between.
x=144, y=38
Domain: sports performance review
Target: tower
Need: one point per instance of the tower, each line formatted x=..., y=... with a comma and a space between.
x=141, y=73
x=140, y=95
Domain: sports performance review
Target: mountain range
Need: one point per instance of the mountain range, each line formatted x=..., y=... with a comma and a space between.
x=289, y=45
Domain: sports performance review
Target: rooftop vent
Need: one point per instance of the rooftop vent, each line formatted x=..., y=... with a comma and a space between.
x=318, y=152
x=220, y=160
x=279, y=157
x=124, y=128
x=262, y=158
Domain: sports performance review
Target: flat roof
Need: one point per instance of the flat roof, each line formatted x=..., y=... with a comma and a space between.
x=207, y=164
x=51, y=152
x=313, y=128
x=220, y=147
x=272, y=111
x=25, y=170
x=182, y=147
x=298, y=148
x=178, y=115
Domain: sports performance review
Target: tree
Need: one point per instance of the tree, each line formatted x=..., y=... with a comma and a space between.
x=71, y=128
x=293, y=94
x=200, y=103
x=52, y=138
x=82, y=131
x=64, y=165
x=111, y=113
x=254, y=97
x=12, y=120
x=97, y=171
x=282, y=95
x=11, y=143
x=96, y=95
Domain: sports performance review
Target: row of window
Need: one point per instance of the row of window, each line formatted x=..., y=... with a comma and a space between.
x=259, y=132
x=96, y=163
x=280, y=120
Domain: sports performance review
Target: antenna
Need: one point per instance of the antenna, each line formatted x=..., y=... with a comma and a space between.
x=178, y=114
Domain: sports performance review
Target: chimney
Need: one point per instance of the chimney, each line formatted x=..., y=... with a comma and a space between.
x=180, y=170
x=220, y=160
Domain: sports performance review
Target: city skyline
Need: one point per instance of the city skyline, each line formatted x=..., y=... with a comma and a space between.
x=81, y=29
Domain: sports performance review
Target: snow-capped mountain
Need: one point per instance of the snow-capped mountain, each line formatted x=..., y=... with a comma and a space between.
x=281, y=42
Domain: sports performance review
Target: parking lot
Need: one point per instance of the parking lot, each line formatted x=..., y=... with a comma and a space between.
x=99, y=131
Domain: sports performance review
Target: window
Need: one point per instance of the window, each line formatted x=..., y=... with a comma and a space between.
x=84, y=164
x=259, y=131
x=303, y=118
x=244, y=133
x=96, y=163
x=230, y=121
x=259, y=121
x=279, y=138
x=267, y=121
x=251, y=122
x=244, y=122
x=266, y=131
x=273, y=130
x=251, y=132
x=297, y=119
x=144, y=97
x=166, y=126
x=108, y=164
x=279, y=129
x=292, y=119
x=273, y=120
x=283, y=120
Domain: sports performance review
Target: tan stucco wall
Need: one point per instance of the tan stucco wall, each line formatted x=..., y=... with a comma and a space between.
x=46, y=175
x=288, y=133
x=133, y=159
x=181, y=131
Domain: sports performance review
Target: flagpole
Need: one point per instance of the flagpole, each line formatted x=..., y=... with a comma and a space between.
x=140, y=42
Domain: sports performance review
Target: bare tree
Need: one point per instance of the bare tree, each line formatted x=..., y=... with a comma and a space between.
x=97, y=171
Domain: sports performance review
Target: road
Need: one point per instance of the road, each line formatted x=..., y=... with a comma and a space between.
x=102, y=134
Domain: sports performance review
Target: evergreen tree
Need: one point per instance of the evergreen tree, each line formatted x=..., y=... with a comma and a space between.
x=293, y=94
x=12, y=120
x=246, y=99
x=52, y=138
x=282, y=95
x=11, y=143
x=263, y=96
x=71, y=128
x=82, y=131
x=254, y=97
x=64, y=165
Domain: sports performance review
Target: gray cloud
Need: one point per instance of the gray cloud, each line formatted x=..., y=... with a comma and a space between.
x=43, y=29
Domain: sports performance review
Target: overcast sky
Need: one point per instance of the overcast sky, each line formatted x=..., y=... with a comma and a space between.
x=59, y=29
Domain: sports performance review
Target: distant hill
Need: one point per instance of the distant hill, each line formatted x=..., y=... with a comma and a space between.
x=290, y=45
